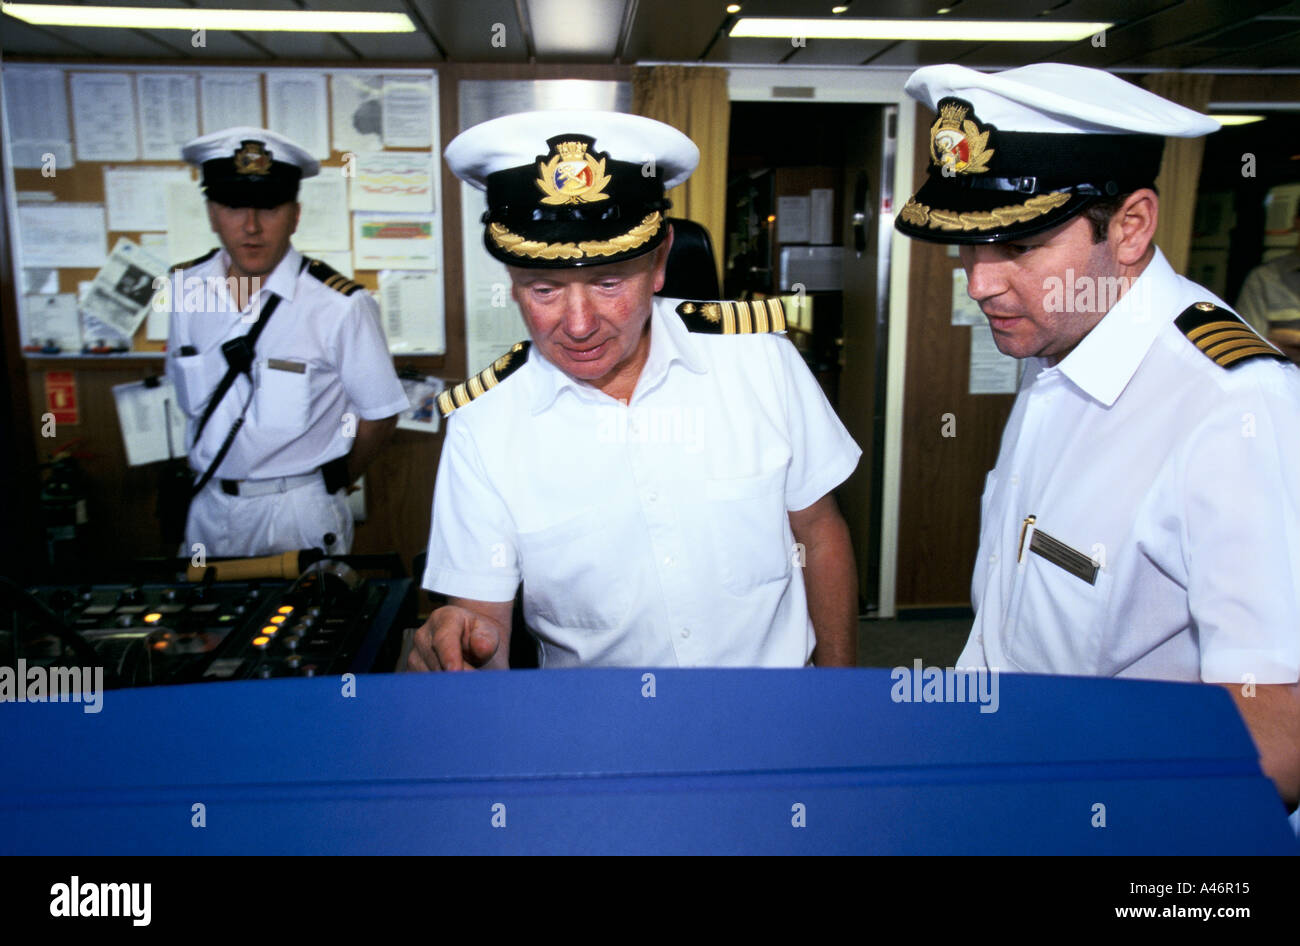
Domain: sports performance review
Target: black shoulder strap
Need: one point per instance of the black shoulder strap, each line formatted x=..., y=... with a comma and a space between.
x=239, y=358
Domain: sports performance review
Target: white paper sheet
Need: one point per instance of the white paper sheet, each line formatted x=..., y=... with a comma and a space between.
x=965, y=310
x=169, y=113
x=228, y=99
x=135, y=198
x=991, y=372
x=153, y=426
x=357, y=112
x=423, y=413
x=324, y=223
x=401, y=181
x=121, y=292
x=411, y=304
x=395, y=241
x=189, y=235
x=296, y=108
x=62, y=235
x=408, y=112
x=103, y=116
x=793, y=219
x=53, y=318
x=493, y=322
x=38, y=117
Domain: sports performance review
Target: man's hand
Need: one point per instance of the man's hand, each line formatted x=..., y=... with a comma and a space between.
x=464, y=635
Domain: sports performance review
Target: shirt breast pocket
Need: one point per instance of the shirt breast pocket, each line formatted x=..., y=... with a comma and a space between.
x=571, y=573
x=282, y=400
x=194, y=378
x=1056, y=618
x=746, y=519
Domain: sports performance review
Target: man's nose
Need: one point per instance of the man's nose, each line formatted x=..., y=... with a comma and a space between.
x=580, y=313
x=252, y=220
x=985, y=277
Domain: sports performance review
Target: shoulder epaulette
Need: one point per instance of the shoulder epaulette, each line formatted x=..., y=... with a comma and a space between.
x=332, y=278
x=198, y=259
x=733, y=318
x=1223, y=336
x=485, y=380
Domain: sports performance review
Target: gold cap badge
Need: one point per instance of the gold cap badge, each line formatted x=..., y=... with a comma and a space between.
x=252, y=158
x=957, y=146
x=572, y=176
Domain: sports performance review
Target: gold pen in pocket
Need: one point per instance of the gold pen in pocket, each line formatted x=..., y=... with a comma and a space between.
x=1024, y=528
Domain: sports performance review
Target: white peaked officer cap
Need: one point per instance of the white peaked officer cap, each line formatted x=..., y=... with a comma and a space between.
x=572, y=188
x=1022, y=151
x=250, y=167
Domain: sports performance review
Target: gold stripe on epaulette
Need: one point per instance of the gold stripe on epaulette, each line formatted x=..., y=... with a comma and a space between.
x=475, y=386
x=1222, y=345
x=445, y=405
x=460, y=394
x=1219, y=326
x=777, y=314
x=1232, y=357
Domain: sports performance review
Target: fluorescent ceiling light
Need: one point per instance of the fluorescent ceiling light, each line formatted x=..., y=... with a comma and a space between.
x=972, y=31
x=1237, y=119
x=162, y=18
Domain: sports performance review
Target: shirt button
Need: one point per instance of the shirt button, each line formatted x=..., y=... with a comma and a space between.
x=651, y=497
x=686, y=632
x=1015, y=480
x=669, y=561
x=993, y=559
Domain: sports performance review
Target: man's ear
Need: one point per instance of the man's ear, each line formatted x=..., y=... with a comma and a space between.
x=1133, y=226
x=661, y=260
x=297, y=213
x=212, y=216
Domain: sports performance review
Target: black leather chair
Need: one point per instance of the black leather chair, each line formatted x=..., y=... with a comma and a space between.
x=692, y=269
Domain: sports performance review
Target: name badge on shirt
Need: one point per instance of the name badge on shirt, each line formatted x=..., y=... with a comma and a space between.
x=1061, y=555
x=297, y=367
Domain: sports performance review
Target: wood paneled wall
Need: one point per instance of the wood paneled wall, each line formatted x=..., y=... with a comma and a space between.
x=942, y=477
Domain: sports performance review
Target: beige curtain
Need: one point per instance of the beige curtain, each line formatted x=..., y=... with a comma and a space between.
x=694, y=101
x=1181, y=169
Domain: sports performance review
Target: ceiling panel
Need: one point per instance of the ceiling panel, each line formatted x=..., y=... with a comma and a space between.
x=467, y=30
x=1233, y=34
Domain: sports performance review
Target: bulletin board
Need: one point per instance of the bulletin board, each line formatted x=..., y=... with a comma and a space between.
x=101, y=205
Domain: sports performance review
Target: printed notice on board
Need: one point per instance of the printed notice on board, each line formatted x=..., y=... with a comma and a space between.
x=169, y=113
x=402, y=181
x=296, y=108
x=121, y=293
x=411, y=304
x=394, y=241
x=228, y=99
x=103, y=116
x=38, y=118
x=62, y=235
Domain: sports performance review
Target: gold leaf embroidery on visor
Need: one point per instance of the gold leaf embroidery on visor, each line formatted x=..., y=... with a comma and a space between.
x=533, y=249
x=923, y=216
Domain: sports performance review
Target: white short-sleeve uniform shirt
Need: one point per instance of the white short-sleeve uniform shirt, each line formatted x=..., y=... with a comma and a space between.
x=320, y=365
x=1178, y=477
x=654, y=533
